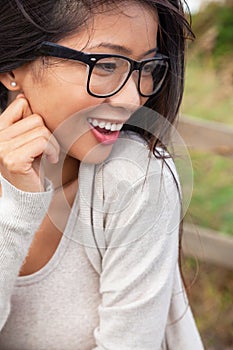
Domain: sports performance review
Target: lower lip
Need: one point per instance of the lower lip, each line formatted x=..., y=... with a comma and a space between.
x=106, y=139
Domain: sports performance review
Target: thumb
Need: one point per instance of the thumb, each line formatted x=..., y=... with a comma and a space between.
x=27, y=110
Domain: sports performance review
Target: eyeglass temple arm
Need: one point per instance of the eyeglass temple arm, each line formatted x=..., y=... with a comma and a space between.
x=55, y=50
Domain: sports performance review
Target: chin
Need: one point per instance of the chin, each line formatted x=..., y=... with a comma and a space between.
x=95, y=155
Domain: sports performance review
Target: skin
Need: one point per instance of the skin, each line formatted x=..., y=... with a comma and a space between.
x=48, y=97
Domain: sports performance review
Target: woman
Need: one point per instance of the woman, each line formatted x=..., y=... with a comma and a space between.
x=90, y=206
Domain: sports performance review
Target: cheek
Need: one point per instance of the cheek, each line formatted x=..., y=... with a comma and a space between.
x=62, y=106
x=57, y=103
x=76, y=139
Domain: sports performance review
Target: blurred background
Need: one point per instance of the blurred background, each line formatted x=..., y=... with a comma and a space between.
x=206, y=124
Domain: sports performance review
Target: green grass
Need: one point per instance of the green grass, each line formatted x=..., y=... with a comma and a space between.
x=208, y=93
x=212, y=200
x=208, y=98
x=211, y=301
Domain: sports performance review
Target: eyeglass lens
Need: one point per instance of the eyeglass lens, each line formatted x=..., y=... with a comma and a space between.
x=110, y=74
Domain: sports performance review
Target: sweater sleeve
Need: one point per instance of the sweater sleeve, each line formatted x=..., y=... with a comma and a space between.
x=142, y=209
x=21, y=214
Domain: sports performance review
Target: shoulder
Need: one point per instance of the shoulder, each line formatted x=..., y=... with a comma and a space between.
x=129, y=195
x=130, y=172
x=139, y=192
x=133, y=180
x=131, y=161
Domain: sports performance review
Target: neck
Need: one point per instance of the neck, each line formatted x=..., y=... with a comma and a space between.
x=64, y=173
x=64, y=177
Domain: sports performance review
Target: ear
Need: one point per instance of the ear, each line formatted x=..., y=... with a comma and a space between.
x=9, y=81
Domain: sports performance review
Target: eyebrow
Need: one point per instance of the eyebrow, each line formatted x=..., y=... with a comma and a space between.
x=122, y=49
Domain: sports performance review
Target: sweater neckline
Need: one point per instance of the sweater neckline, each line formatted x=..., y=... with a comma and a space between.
x=59, y=252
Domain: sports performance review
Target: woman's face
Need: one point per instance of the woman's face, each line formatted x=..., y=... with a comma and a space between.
x=58, y=91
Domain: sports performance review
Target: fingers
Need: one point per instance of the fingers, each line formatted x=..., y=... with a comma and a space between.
x=16, y=132
x=19, y=161
x=41, y=133
x=21, y=166
x=17, y=110
x=33, y=121
x=24, y=138
x=20, y=95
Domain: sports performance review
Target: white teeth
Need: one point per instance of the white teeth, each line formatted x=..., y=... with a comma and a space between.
x=108, y=126
x=118, y=127
x=105, y=125
x=113, y=127
x=95, y=122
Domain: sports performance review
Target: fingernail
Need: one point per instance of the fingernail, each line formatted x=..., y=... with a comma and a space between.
x=20, y=96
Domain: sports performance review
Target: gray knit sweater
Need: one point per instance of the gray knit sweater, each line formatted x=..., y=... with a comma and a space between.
x=113, y=282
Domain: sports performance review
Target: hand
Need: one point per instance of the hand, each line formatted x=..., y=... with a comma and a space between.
x=23, y=139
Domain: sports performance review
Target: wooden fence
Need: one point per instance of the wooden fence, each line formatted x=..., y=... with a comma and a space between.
x=205, y=244
x=207, y=136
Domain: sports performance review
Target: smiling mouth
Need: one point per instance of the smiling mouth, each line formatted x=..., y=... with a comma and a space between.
x=105, y=132
x=105, y=127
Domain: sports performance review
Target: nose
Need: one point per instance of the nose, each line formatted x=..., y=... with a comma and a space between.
x=128, y=96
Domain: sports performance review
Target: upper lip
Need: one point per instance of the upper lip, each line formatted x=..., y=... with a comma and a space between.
x=118, y=115
x=112, y=121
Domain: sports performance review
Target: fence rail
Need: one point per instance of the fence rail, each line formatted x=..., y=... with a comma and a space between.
x=205, y=244
x=208, y=245
x=207, y=136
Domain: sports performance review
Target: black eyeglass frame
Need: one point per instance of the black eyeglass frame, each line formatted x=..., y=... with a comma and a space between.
x=51, y=49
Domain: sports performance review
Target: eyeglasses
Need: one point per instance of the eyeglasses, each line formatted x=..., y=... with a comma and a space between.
x=107, y=73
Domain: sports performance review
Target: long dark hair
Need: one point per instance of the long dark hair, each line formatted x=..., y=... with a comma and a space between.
x=26, y=23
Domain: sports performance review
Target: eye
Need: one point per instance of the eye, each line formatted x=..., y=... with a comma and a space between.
x=149, y=68
x=111, y=65
x=106, y=66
